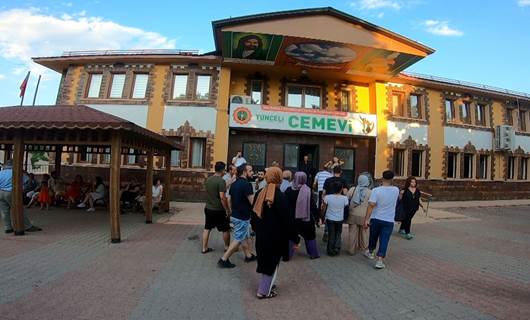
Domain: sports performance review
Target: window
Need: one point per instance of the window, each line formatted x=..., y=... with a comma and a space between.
x=95, y=85
x=398, y=107
x=464, y=113
x=452, y=158
x=256, y=92
x=255, y=154
x=417, y=163
x=415, y=106
x=203, y=87
x=345, y=100
x=511, y=167
x=105, y=158
x=133, y=157
x=197, y=152
x=509, y=116
x=483, y=167
x=522, y=120
x=116, y=89
x=180, y=86
x=399, y=162
x=449, y=110
x=303, y=97
x=85, y=155
x=140, y=85
x=175, y=158
x=524, y=168
x=290, y=156
x=480, y=113
x=468, y=166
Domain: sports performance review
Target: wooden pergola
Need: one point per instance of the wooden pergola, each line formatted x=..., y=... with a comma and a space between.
x=72, y=128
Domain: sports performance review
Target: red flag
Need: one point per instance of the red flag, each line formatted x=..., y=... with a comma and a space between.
x=23, y=85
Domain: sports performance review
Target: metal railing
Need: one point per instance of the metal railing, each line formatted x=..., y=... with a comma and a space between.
x=466, y=83
x=130, y=52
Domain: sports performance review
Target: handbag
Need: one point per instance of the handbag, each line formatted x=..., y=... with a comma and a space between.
x=346, y=214
x=400, y=213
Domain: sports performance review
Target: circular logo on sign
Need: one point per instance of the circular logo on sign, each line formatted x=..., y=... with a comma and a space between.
x=242, y=115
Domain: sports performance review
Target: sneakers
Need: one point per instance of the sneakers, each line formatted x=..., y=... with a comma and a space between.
x=251, y=258
x=401, y=231
x=90, y=210
x=9, y=231
x=369, y=255
x=33, y=229
x=409, y=236
x=379, y=264
x=225, y=264
x=81, y=205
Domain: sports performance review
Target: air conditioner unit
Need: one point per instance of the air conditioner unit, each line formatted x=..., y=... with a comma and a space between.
x=504, y=138
x=241, y=99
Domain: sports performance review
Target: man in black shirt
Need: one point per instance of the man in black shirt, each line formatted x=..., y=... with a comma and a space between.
x=241, y=197
x=329, y=183
x=307, y=167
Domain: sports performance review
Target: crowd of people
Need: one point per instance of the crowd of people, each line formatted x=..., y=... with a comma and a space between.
x=270, y=212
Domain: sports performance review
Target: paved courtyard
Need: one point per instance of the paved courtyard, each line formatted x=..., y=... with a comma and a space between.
x=469, y=263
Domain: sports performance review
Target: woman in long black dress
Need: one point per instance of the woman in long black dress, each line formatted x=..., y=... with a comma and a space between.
x=410, y=202
x=303, y=210
x=271, y=222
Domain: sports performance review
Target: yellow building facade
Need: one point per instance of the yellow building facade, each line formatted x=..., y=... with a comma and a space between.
x=316, y=83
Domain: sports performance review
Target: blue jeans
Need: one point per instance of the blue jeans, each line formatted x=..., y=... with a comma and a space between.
x=381, y=230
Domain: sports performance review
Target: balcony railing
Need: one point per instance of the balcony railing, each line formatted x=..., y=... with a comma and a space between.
x=130, y=52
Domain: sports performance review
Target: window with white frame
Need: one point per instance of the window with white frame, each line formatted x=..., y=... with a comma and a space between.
x=256, y=91
x=202, y=91
x=511, y=168
x=480, y=114
x=85, y=154
x=303, y=97
x=94, y=86
x=417, y=163
x=449, y=110
x=399, y=162
x=483, y=166
x=140, y=85
x=415, y=106
x=465, y=115
x=116, y=88
x=468, y=166
x=452, y=160
x=180, y=86
x=197, y=152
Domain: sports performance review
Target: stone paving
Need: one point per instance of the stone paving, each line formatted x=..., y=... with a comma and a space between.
x=464, y=263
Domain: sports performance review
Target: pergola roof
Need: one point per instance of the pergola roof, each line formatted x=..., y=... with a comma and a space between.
x=78, y=117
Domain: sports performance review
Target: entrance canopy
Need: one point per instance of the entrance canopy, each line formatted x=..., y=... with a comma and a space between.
x=66, y=129
x=320, y=38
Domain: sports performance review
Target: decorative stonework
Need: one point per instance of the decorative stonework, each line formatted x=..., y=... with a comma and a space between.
x=186, y=132
x=473, y=100
x=265, y=89
x=338, y=87
x=408, y=146
x=192, y=71
x=408, y=90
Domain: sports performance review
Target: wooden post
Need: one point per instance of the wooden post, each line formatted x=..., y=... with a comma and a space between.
x=149, y=189
x=58, y=155
x=167, y=187
x=17, y=207
x=114, y=188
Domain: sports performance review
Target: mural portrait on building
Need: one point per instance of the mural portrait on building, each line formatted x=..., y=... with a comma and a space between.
x=253, y=46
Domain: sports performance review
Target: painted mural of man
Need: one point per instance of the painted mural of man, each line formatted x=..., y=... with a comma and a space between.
x=250, y=47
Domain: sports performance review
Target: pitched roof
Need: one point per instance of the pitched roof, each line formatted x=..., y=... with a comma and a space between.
x=78, y=117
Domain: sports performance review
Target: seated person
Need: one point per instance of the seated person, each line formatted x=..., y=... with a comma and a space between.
x=30, y=185
x=34, y=195
x=98, y=194
x=158, y=192
x=57, y=187
x=74, y=192
x=130, y=193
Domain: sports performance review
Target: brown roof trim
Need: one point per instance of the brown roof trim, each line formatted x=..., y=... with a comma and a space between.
x=450, y=84
x=218, y=24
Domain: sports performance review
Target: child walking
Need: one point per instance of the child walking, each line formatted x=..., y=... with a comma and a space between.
x=334, y=205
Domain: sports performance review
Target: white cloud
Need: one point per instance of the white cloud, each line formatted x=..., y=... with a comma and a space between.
x=26, y=33
x=441, y=28
x=2, y=76
x=376, y=4
x=523, y=3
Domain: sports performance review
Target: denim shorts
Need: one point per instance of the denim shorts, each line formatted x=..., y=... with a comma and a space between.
x=241, y=229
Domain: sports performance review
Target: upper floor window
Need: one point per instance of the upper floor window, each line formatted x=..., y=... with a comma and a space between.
x=256, y=91
x=140, y=85
x=464, y=112
x=203, y=87
x=449, y=110
x=180, y=86
x=303, y=97
x=95, y=85
x=345, y=100
x=116, y=89
x=522, y=120
x=415, y=106
x=480, y=114
x=398, y=106
x=509, y=116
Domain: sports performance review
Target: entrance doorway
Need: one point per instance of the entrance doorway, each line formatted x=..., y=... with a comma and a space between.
x=293, y=157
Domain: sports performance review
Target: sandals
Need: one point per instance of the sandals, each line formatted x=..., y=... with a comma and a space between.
x=207, y=250
x=270, y=295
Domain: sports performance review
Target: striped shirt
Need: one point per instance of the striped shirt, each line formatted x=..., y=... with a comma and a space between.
x=321, y=178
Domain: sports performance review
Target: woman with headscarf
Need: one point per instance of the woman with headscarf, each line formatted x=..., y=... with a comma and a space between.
x=302, y=209
x=271, y=222
x=357, y=235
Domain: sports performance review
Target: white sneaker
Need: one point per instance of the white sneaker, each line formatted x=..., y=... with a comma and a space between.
x=81, y=205
x=369, y=255
x=379, y=264
x=90, y=210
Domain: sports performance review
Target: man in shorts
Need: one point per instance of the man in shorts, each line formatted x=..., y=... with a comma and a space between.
x=241, y=197
x=216, y=211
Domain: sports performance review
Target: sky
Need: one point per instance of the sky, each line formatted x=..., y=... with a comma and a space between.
x=485, y=42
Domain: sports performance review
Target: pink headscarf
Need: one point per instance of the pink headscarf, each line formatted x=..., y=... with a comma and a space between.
x=303, y=202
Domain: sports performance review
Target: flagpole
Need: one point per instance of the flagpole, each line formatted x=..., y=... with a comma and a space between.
x=23, y=88
x=36, y=90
